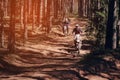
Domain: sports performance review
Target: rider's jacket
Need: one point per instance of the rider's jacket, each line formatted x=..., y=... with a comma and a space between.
x=77, y=30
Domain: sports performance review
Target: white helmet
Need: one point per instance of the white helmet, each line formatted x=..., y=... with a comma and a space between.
x=77, y=25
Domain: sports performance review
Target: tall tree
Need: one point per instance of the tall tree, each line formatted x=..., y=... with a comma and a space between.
x=38, y=12
x=111, y=38
x=80, y=8
x=118, y=25
x=118, y=33
x=71, y=6
x=25, y=20
x=56, y=8
x=21, y=14
x=33, y=14
x=48, y=15
x=1, y=25
x=11, y=41
x=43, y=13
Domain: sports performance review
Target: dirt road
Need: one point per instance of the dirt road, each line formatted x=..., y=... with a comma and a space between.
x=49, y=57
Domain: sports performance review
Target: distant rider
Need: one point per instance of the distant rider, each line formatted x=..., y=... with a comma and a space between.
x=66, y=22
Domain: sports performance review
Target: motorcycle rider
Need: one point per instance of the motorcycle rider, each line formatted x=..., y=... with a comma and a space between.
x=77, y=31
x=66, y=22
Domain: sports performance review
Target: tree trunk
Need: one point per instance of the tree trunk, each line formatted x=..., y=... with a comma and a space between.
x=80, y=8
x=25, y=23
x=33, y=15
x=43, y=14
x=48, y=15
x=55, y=9
x=1, y=35
x=38, y=12
x=111, y=26
x=119, y=9
x=11, y=42
x=1, y=28
x=118, y=35
x=115, y=26
x=118, y=26
x=71, y=6
x=88, y=9
x=21, y=15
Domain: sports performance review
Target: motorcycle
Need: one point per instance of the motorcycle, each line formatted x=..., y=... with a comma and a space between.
x=65, y=29
x=78, y=43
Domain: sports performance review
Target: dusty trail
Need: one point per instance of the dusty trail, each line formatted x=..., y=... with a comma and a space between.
x=56, y=44
x=47, y=58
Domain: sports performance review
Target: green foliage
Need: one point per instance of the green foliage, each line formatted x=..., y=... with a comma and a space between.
x=101, y=14
x=98, y=22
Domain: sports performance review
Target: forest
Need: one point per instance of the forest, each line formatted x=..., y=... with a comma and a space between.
x=34, y=45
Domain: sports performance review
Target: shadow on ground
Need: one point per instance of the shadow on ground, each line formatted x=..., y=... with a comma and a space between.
x=66, y=75
x=100, y=64
x=86, y=45
x=49, y=65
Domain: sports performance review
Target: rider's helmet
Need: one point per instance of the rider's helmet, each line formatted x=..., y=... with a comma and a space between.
x=77, y=25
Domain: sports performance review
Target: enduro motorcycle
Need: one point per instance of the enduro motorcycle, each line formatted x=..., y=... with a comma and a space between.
x=65, y=30
x=78, y=43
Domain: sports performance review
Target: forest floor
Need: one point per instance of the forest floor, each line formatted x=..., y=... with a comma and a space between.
x=52, y=57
